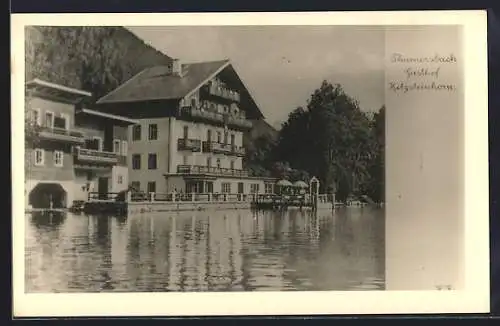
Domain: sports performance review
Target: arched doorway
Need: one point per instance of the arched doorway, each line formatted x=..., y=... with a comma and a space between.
x=48, y=195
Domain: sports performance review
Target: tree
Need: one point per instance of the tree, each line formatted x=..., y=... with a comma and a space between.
x=333, y=140
x=258, y=159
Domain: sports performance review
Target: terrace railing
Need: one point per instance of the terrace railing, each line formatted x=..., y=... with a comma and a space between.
x=199, y=169
x=224, y=197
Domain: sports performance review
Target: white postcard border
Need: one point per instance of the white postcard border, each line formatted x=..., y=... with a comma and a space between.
x=473, y=298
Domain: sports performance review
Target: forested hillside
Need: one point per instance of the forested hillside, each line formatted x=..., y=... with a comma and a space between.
x=96, y=59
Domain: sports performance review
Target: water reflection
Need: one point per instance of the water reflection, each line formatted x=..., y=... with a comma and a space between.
x=207, y=251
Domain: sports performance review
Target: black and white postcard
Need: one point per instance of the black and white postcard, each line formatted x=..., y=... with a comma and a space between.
x=242, y=164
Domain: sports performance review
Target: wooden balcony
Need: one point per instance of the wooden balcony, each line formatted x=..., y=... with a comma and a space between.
x=61, y=134
x=221, y=148
x=193, y=145
x=223, y=92
x=198, y=114
x=215, y=171
x=205, y=115
x=95, y=156
x=237, y=122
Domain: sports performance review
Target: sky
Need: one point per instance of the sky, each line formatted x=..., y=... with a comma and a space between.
x=283, y=65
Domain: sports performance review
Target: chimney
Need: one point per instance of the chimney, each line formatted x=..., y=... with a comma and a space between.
x=177, y=67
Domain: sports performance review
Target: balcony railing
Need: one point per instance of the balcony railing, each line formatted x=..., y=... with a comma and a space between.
x=215, y=147
x=236, y=121
x=198, y=169
x=95, y=156
x=61, y=134
x=184, y=144
x=223, y=92
x=205, y=115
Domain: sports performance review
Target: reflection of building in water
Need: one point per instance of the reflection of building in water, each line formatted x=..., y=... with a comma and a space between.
x=200, y=251
x=188, y=252
x=266, y=271
x=174, y=257
x=119, y=242
x=218, y=253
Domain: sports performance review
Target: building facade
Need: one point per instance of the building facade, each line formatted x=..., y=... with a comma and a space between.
x=75, y=150
x=190, y=132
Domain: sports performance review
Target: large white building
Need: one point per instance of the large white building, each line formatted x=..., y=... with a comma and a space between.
x=189, y=135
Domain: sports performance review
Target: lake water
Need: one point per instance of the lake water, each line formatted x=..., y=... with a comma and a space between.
x=207, y=251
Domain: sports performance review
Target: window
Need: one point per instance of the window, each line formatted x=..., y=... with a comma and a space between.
x=153, y=132
x=94, y=143
x=98, y=142
x=136, y=132
x=218, y=163
x=152, y=161
x=219, y=136
x=254, y=188
x=268, y=188
x=58, y=158
x=225, y=137
x=193, y=102
x=186, y=132
x=49, y=120
x=226, y=187
x=209, y=161
x=35, y=117
x=39, y=156
x=151, y=186
x=185, y=160
x=233, y=138
x=209, y=187
x=120, y=179
x=124, y=147
x=209, y=135
x=136, y=185
x=60, y=122
x=136, y=162
x=116, y=146
x=231, y=166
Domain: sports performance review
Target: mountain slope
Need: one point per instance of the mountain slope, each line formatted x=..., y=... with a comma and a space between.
x=96, y=59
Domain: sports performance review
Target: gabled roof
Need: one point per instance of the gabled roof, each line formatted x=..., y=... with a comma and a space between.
x=114, y=117
x=157, y=83
x=56, y=91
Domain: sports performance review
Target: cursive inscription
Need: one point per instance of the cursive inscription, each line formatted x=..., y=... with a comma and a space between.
x=421, y=73
x=436, y=58
x=404, y=87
